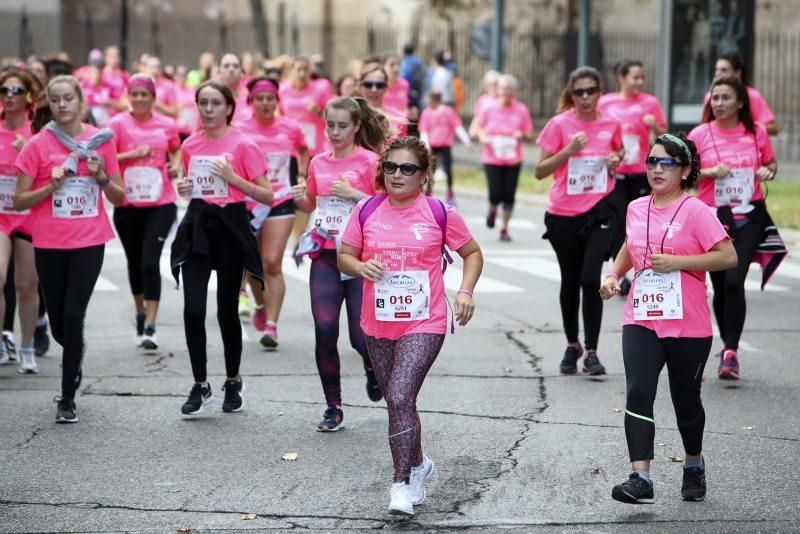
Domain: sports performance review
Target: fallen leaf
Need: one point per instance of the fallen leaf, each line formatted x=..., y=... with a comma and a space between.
x=249, y=517
x=747, y=428
x=289, y=456
x=521, y=331
x=508, y=369
x=596, y=471
x=616, y=410
x=675, y=458
x=546, y=323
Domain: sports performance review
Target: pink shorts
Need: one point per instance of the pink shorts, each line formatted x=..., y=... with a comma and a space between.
x=16, y=226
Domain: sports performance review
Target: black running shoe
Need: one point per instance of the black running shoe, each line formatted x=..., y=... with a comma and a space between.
x=11, y=348
x=490, y=219
x=234, y=396
x=65, y=411
x=331, y=420
x=624, y=286
x=373, y=389
x=199, y=398
x=635, y=490
x=41, y=341
x=694, y=484
x=569, y=364
x=592, y=365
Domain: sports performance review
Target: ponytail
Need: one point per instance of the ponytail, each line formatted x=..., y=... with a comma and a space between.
x=374, y=128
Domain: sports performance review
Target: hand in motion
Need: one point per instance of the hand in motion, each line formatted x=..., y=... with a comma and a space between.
x=342, y=189
x=185, y=187
x=57, y=177
x=141, y=151
x=371, y=270
x=222, y=168
x=765, y=174
x=579, y=141
x=613, y=161
x=665, y=263
x=18, y=142
x=299, y=190
x=464, y=308
x=172, y=170
x=609, y=288
x=721, y=170
x=93, y=162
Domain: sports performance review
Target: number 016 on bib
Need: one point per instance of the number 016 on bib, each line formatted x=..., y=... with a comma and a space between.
x=657, y=296
x=403, y=296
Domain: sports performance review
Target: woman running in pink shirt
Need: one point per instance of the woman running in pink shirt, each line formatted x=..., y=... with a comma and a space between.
x=63, y=170
x=580, y=148
x=672, y=240
x=336, y=181
x=148, y=151
x=396, y=247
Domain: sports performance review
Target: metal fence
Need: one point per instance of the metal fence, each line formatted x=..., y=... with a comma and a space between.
x=539, y=57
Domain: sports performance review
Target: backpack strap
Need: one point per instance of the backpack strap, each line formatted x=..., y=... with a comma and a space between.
x=369, y=208
x=440, y=214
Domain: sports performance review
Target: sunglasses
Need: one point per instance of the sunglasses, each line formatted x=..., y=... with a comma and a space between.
x=16, y=91
x=666, y=163
x=406, y=169
x=588, y=91
x=374, y=85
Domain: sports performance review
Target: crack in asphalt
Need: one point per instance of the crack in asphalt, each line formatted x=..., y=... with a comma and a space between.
x=35, y=432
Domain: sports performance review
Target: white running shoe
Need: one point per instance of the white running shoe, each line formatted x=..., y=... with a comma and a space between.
x=400, y=500
x=419, y=474
x=149, y=339
x=4, y=359
x=27, y=363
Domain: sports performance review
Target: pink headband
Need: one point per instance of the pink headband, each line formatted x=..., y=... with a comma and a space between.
x=262, y=86
x=144, y=82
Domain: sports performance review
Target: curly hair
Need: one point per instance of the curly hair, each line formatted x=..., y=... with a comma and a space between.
x=29, y=81
x=676, y=151
x=425, y=159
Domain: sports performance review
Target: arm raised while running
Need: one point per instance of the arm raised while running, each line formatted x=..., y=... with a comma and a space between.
x=622, y=264
x=549, y=162
x=721, y=257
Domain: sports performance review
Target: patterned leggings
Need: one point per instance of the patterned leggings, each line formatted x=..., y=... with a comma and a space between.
x=400, y=367
x=328, y=291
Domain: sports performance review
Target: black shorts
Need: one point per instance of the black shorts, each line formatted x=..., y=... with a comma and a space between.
x=283, y=211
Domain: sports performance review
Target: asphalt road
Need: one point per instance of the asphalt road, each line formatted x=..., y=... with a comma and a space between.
x=516, y=445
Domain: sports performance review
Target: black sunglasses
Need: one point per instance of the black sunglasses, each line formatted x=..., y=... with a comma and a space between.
x=588, y=91
x=406, y=169
x=16, y=91
x=374, y=85
x=666, y=163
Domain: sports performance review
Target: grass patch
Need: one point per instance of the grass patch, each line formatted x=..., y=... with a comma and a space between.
x=783, y=197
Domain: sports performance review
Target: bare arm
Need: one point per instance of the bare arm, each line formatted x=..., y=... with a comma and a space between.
x=473, y=265
x=721, y=257
x=25, y=199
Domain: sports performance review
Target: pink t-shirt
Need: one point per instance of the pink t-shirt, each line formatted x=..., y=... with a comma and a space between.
x=759, y=108
x=396, y=95
x=278, y=142
x=138, y=174
x=482, y=102
x=117, y=80
x=188, y=119
x=398, y=121
x=11, y=219
x=736, y=148
x=294, y=104
x=630, y=113
x=499, y=123
x=694, y=230
x=358, y=168
x=166, y=92
x=406, y=239
x=54, y=223
x=99, y=98
x=439, y=125
x=604, y=135
x=325, y=87
x=244, y=155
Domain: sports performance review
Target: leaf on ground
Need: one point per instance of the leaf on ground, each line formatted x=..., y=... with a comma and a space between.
x=747, y=428
x=675, y=458
x=183, y=531
x=249, y=517
x=616, y=410
x=596, y=471
x=522, y=331
x=289, y=456
x=508, y=369
x=546, y=324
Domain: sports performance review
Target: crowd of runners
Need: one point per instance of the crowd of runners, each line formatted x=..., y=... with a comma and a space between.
x=273, y=156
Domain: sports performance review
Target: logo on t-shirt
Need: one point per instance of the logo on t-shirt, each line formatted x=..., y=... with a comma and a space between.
x=672, y=228
x=604, y=135
x=418, y=229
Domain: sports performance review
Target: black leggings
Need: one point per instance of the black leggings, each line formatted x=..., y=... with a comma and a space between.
x=730, y=307
x=143, y=232
x=445, y=156
x=626, y=190
x=644, y=355
x=225, y=258
x=581, y=252
x=503, y=180
x=67, y=278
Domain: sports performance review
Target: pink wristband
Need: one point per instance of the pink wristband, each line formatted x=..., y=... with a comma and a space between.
x=252, y=190
x=465, y=291
x=612, y=275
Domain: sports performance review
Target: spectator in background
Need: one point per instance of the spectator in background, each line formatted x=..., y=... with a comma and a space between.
x=36, y=67
x=97, y=94
x=204, y=72
x=166, y=94
x=346, y=85
x=441, y=79
x=397, y=93
x=188, y=118
x=85, y=73
x=413, y=71
x=115, y=78
x=487, y=98
x=319, y=77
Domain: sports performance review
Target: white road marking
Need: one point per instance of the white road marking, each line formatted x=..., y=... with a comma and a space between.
x=104, y=284
x=514, y=224
x=529, y=265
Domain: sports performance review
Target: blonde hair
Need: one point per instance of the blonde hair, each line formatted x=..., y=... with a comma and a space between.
x=69, y=80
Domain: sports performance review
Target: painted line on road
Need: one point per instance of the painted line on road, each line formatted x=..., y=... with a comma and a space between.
x=749, y=347
x=104, y=284
x=513, y=224
x=529, y=265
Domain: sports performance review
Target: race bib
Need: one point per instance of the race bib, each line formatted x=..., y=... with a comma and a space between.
x=309, y=134
x=403, y=296
x=8, y=188
x=278, y=171
x=143, y=184
x=736, y=188
x=587, y=175
x=504, y=147
x=77, y=198
x=631, y=144
x=333, y=213
x=206, y=185
x=657, y=296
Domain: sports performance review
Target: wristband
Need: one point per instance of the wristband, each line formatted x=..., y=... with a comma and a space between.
x=465, y=291
x=252, y=190
x=611, y=275
x=103, y=183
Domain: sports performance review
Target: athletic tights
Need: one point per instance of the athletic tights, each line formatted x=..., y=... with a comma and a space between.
x=400, y=367
x=445, y=162
x=328, y=291
x=503, y=180
x=68, y=277
x=644, y=355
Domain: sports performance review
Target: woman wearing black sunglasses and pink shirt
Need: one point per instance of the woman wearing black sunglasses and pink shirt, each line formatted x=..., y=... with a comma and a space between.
x=374, y=82
x=581, y=148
